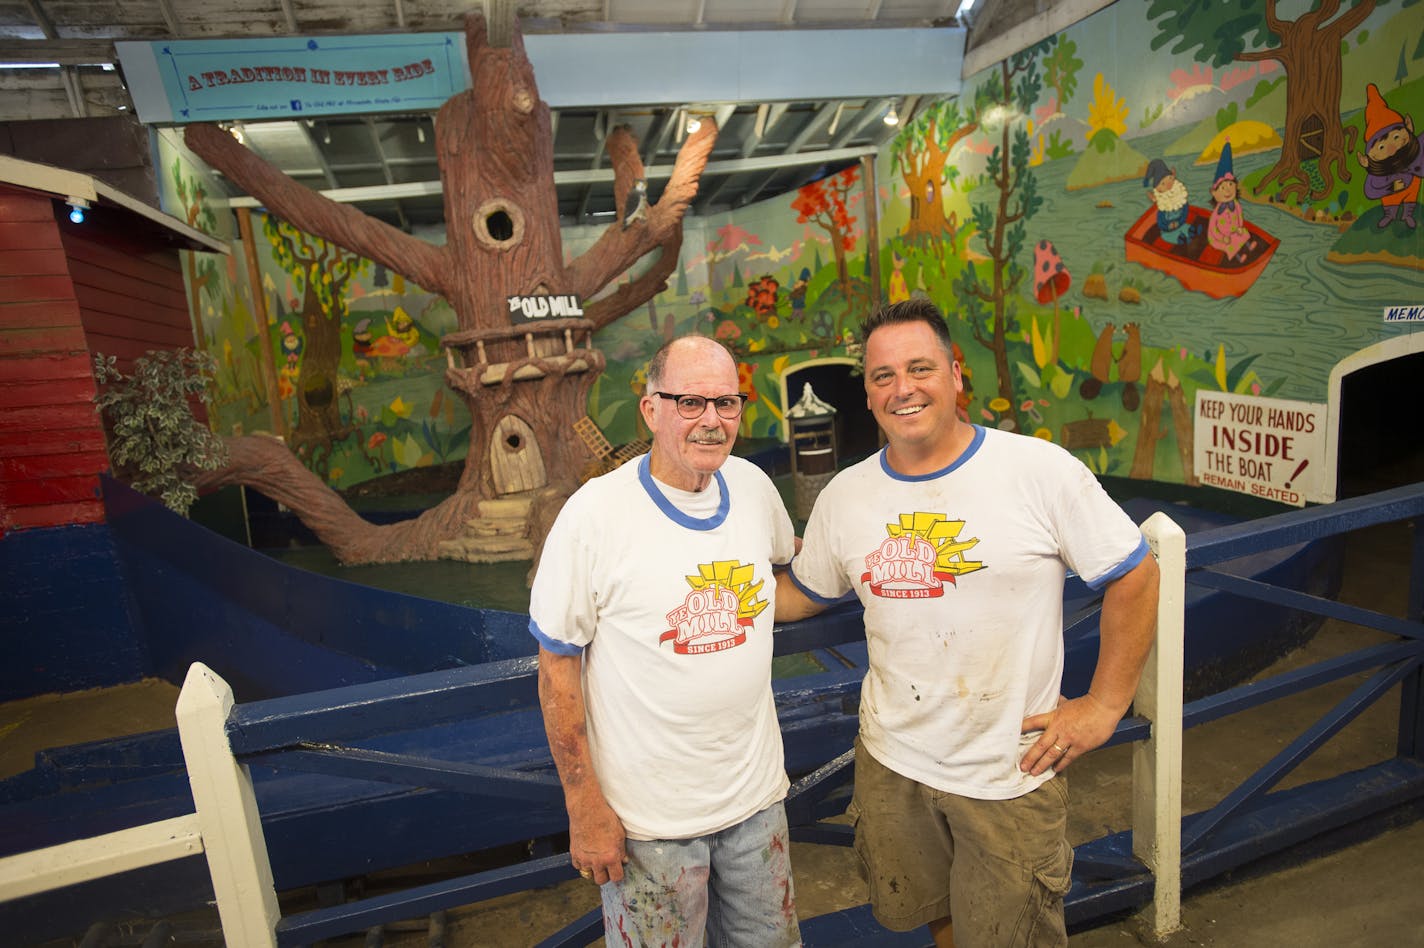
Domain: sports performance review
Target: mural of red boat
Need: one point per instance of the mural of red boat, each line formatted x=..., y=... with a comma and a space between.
x=1195, y=264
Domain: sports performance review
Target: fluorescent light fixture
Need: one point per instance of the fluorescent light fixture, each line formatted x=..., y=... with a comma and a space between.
x=29, y=65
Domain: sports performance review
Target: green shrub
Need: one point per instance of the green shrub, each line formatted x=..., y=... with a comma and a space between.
x=155, y=442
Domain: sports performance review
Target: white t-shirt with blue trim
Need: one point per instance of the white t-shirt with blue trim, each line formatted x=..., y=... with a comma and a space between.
x=961, y=573
x=669, y=596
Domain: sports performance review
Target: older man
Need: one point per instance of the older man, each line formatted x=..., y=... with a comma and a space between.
x=650, y=605
x=957, y=540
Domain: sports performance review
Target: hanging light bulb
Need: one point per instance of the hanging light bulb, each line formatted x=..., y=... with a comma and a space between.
x=693, y=124
x=892, y=117
x=77, y=207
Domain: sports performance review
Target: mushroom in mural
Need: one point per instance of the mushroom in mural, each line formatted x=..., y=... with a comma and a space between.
x=525, y=383
x=1050, y=281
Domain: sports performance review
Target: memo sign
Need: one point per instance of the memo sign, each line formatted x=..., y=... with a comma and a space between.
x=1266, y=447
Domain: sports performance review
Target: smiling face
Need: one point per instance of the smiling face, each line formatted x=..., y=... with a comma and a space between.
x=1224, y=190
x=686, y=452
x=911, y=386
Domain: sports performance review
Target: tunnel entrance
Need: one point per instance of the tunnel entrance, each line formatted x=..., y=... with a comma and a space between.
x=1381, y=440
x=857, y=434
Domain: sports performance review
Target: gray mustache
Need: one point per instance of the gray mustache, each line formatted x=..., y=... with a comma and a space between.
x=708, y=436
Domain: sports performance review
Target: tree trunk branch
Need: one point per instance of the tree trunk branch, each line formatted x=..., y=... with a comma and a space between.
x=620, y=247
x=315, y=214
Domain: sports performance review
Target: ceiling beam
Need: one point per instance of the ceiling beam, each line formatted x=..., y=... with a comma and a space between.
x=584, y=69
x=824, y=113
x=658, y=133
x=984, y=50
x=74, y=91
x=427, y=188
x=291, y=16
x=42, y=19
x=370, y=124
x=870, y=110
x=65, y=52
x=170, y=18
x=813, y=127
x=309, y=133
x=773, y=111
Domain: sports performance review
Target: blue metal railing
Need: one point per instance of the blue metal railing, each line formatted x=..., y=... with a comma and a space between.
x=306, y=732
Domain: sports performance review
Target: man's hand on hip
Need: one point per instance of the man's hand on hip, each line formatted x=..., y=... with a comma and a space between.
x=1069, y=731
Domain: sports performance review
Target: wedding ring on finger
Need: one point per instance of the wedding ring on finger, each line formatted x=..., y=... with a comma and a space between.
x=1060, y=748
x=586, y=873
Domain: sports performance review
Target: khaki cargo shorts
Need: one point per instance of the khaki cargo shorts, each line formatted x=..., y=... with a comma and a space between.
x=997, y=868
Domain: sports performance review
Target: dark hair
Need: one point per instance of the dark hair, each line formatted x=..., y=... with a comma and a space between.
x=914, y=310
x=657, y=365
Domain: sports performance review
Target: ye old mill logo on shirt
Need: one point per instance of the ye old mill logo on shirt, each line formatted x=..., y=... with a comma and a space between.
x=715, y=615
x=917, y=556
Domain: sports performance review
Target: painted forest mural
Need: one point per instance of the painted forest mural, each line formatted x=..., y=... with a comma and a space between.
x=1165, y=199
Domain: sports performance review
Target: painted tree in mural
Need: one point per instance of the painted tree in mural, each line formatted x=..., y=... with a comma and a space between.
x=525, y=385
x=1309, y=49
x=320, y=271
x=921, y=153
x=1060, y=70
x=202, y=268
x=991, y=308
x=824, y=203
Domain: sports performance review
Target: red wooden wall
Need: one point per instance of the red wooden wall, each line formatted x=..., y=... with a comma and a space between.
x=51, y=443
x=67, y=290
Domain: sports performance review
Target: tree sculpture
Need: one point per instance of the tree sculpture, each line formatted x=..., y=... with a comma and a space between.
x=525, y=385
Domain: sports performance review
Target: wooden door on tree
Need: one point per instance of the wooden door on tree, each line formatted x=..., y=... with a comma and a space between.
x=515, y=459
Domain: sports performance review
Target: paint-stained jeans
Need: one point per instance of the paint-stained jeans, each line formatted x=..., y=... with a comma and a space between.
x=735, y=884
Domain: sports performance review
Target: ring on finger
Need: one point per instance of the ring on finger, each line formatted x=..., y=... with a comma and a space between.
x=1060, y=748
x=586, y=873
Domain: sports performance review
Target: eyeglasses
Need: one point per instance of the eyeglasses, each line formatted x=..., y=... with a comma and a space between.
x=692, y=406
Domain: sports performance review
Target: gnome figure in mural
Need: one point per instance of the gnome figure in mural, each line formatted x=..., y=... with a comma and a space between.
x=1393, y=158
x=1226, y=231
x=1169, y=194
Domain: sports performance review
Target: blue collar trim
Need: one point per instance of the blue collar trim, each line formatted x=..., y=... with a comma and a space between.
x=958, y=462
x=645, y=477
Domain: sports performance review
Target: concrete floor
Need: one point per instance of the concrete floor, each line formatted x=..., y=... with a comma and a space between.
x=1365, y=894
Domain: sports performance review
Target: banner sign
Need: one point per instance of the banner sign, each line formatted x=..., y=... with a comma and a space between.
x=293, y=77
x=1266, y=447
x=216, y=80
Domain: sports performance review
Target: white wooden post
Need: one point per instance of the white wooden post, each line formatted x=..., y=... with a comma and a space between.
x=227, y=813
x=1157, y=761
